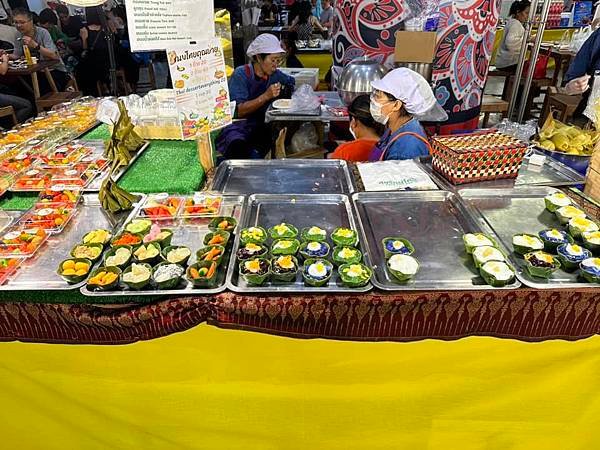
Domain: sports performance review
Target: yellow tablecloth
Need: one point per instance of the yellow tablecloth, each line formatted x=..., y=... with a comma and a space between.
x=211, y=388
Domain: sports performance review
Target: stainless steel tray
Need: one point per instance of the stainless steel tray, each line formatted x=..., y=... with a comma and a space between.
x=190, y=234
x=434, y=222
x=325, y=211
x=39, y=272
x=551, y=173
x=283, y=176
x=520, y=210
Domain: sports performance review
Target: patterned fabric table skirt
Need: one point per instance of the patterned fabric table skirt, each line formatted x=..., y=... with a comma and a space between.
x=524, y=314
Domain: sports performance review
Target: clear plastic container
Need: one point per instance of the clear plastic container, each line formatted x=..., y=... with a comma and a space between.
x=161, y=207
x=202, y=204
x=52, y=217
x=19, y=242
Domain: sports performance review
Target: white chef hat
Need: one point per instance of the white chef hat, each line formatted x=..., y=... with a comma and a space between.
x=264, y=43
x=414, y=92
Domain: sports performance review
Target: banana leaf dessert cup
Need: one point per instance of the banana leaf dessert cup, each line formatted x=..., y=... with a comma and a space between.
x=541, y=264
x=167, y=275
x=497, y=273
x=104, y=279
x=223, y=223
x=126, y=238
x=474, y=240
x=553, y=238
x=283, y=231
x=177, y=254
x=566, y=213
x=556, y=200
x=255, y=235
x=217, y=238
x=148, y=253
x=255, y=271
x=211, y=253
x=484, y=254
x=203, y=274
x=344, y=236
x=77, y=273
x=98, y=236
x=139, y=226
x=251, y=250
x=591, y=241
x=525, y=243
x=163, y=237
x=119, y=256
x=346, y=255
x=403, y=267
x=284, y=268
x=317, y=272
x=355, y=275
x=142, y=271
x=93, y=252
x=285, y=247
x=590, y=270
x=396, y=246
x=314, y=233
x=571, y=255
x=580, y=225
x=314, y=249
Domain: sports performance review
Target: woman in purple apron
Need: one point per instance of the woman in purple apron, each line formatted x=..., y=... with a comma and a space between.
x=253, y=87
x=399, y=101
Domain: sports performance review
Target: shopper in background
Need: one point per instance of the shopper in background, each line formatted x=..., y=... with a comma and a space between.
x=294, y=11
x=254, y=87
x=49, y=21
x=305, y=24
x=23, y=108
x=268, y=11
x=509, y=51
x=41, y=46
x=364, y=129
x=70, y=25
x=94, y=65
x=399, y=100
x=8, y=36
x=326, y=17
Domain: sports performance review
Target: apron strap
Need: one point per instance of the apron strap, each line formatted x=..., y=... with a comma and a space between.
x=248, y=70
x=398, y=136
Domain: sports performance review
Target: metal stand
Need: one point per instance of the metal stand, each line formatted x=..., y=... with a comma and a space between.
x=533, y=58
x=522, y=57
x=112, y=60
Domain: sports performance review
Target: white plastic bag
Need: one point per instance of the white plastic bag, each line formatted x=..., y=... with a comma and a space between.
x=579, y=38
x=304, y=99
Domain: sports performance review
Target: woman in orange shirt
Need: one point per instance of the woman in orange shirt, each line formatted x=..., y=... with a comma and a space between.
x=365, y=130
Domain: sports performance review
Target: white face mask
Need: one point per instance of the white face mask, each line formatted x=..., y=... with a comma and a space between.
x=352, y=131
x=377, y=114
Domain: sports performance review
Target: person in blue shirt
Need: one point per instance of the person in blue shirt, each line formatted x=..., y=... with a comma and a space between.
x=254, y=87
x=399, y=100
x=583, y=66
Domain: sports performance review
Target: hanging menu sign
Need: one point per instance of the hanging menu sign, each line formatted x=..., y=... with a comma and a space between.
x=162, y=24
x=201, y=92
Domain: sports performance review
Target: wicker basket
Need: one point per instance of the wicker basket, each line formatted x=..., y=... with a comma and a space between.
x=477, y=157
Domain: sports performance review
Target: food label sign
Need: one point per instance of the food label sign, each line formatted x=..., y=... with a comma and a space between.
x=198, y=75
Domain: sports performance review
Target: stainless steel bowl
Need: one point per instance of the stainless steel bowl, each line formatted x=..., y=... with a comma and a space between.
x=356, y=78
x=424, y=69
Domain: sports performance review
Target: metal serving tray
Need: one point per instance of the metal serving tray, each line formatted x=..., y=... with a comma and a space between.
x=39, y=272
x=520, y=210
x=434, y=222
x=283, y=176
x=191, y=234
x=326, y=211
x=551, y=173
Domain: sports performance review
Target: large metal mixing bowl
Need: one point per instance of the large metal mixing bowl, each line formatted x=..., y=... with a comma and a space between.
x=356, y=78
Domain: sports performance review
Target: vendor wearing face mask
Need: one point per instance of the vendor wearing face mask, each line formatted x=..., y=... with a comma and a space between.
x=253, y=87
x=399, y=100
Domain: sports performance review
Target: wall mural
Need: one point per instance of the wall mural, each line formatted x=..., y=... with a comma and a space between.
x=465, y=42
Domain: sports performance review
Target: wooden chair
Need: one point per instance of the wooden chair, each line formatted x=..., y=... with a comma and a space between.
x=564, y=106
x=495, y=72
x=9, y=111
x=47, y=101
x=151, y=84
x=490, y=105
x=538, y=86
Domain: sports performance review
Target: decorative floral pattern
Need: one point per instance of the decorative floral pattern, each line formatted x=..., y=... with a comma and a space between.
x=465, y=42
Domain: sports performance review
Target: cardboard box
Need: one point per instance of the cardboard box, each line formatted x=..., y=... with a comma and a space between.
x=592, y=185
x=415, y=46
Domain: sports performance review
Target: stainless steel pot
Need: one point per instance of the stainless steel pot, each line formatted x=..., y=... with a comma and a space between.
x=356, y=78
